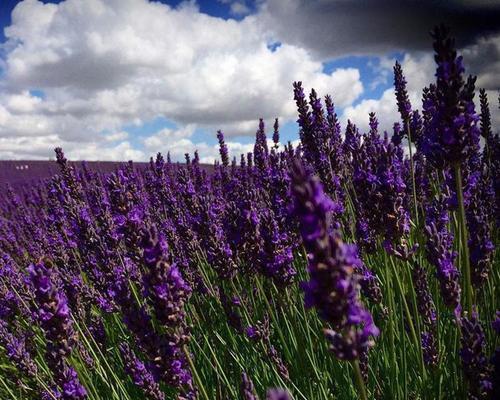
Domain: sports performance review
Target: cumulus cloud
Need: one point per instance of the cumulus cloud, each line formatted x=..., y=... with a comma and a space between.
x=105, y=64
x=42, y=147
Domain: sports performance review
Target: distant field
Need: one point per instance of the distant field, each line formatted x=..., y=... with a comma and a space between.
x=22, y=172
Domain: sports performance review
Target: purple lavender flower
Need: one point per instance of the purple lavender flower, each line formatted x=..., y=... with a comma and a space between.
x=140, y=375
x=430, y=348
x=231, y=309
x=474, y=363
x=214, y=241
x=370, y=286
x=304, y=119
x=71, y=387
x=224, y=155
x=425, y=304
x=334, y=133
x=320, y=139
x=404, y=105
x=69, y=176
x=261, y=331
x=277, y=361
x=17, y=353
x=333, y=287
x=166, y=289
x=247, y=388
x=496, y=323
x=278, y=394
x=54, y=316
x=397, y=134
x=276, y=134
x=277, y=254
x=440, y=251
x=260, y=150
x=450, y=133
x=379, y=192
x=485, y=115
x=164, y=351
x=53, y=311
x=478, y=214
x=248, y=391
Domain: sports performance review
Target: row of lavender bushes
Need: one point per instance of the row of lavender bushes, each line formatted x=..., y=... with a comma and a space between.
x=344, y=268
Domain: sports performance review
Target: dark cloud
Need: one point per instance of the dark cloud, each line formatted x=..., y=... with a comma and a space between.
x=483, y=59
x=333, y=28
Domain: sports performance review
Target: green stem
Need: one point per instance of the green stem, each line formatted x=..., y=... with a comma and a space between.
x=409, y=318
x=392, y=343
x=8, y=388
x=412, y=170
x=197, y=379
x=358, y=378
x=464, y=244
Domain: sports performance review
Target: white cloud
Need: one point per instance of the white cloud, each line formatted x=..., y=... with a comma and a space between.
x=164, y=138
x=239, y=8
x=116, y=136
x=419, y=72
x=95, y=152
x=42, y=148
x=383, y=68
x=484, y=60
x=104, y=64
x=384, y=107
x=22, y=102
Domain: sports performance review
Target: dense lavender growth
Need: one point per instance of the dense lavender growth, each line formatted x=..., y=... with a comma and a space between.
x=345, y=267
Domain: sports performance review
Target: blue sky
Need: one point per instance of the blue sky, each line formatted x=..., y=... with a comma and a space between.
x=121, y=79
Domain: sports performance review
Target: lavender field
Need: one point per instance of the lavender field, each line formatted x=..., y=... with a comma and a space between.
x=353, y=265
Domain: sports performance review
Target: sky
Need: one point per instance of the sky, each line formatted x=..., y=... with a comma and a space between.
x=125, y=79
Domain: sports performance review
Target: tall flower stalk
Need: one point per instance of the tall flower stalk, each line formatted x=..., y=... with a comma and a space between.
x=333, y=287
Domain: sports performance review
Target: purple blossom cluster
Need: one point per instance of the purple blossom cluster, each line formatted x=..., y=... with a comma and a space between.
x=450, y=133
x=54, y=316
x=474, y=362
x=380, y=193
x=333, y=286
x=439, y=249
x=140, y=374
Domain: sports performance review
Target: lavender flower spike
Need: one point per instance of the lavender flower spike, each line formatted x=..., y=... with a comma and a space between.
x=451, y=134
x=140, y=375
x=247, y=388
x=474, y=363
x=54, y=316
x=167, y=290
x=278, y=394
x=333, y=287
x=439, y=248
x=224, y=154
x=404, y=105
